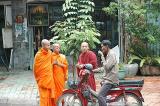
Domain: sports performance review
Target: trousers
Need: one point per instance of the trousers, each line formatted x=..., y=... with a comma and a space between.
x=103, y=92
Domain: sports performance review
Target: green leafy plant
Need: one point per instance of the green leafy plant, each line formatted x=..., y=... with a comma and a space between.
x=143, y=55
x=122, y=71
x=146, y=60
x=136, y=16
x=137, y=20
x=76, y=27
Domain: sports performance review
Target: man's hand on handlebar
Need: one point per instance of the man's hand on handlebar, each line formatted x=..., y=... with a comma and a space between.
x=96, y=70
x=100, y=69
x=85, y=66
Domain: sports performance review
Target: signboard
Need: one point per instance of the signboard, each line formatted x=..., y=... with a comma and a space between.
x=38, y=15
x=7, y=38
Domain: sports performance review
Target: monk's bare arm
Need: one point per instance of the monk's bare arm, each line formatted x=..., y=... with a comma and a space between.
x=61, y=65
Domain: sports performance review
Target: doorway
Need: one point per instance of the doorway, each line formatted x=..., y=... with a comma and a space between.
x=5, y=51
x=40, y=32
x=3, y=54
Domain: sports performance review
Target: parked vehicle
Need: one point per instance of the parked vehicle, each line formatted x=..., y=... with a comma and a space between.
x=127, y=93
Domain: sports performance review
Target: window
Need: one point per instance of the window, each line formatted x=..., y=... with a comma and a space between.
x=38, y=15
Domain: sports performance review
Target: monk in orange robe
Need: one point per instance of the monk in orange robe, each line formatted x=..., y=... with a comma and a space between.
x=60, y=70
x=44, y=75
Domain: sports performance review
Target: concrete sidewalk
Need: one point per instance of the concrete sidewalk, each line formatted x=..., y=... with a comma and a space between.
x=18, y=88
x=151, y=90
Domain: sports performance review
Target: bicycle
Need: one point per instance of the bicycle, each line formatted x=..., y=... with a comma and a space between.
x=127, y=93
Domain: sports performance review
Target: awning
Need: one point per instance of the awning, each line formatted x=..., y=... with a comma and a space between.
x=30, y=1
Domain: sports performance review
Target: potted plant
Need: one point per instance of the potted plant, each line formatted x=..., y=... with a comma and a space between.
x=148, y=63
x=121, y=71
x=153, y=68
x=131, y=69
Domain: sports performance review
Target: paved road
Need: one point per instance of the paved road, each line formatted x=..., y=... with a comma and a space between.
x=151, y=90
x=18, y=88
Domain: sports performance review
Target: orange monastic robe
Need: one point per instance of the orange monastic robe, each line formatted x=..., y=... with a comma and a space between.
x=60, y=74
x=44, y=77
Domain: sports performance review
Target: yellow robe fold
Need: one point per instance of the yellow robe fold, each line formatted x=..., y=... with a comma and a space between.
x=44, y=77
x=60, y=74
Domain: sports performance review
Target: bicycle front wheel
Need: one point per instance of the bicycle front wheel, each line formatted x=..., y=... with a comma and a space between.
x=68, y=99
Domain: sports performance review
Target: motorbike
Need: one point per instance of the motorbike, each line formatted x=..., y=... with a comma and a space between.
x=127, y=93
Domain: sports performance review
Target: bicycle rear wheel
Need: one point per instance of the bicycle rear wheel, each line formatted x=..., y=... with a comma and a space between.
x=132, y=100
x=69, y=99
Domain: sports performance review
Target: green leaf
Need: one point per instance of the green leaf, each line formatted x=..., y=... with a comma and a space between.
x=132, y=58
x=76, y=27
x=157, y=59
x=142, y=62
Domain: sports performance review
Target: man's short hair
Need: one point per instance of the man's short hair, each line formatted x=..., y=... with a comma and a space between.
x=106, y=43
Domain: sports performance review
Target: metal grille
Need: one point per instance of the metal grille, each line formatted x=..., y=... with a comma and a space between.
x=155, y=49
x=3, y=65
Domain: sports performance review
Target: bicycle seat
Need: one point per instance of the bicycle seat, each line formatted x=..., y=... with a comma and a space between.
x=137, y=83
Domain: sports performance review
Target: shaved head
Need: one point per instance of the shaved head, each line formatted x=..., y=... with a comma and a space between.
x=45, y=44
x=56, y=47
x=84, y=43
x=44, y=41
x=56, y=44
x=84, y=46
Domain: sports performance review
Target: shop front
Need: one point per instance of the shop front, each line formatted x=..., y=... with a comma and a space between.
x=30, y=24
x=41, y=15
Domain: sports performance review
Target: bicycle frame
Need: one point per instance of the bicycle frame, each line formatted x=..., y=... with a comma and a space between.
x=122, y=90
x=113, y=93
x=130, y=88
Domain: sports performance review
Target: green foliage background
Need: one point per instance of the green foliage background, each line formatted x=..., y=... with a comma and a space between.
x=140, y=24
x=138, y=15
x=77, y=27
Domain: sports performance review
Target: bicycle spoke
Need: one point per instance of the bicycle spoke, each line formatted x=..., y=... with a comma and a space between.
x=131, y=100
x=69, y=100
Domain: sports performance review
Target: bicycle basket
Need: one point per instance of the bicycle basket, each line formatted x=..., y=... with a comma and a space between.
x=73, y=84
x=86, y=94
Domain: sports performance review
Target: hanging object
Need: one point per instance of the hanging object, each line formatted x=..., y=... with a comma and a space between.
x=19, y=19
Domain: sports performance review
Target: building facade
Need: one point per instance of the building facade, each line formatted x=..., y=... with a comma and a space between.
x=24, y=23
